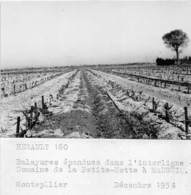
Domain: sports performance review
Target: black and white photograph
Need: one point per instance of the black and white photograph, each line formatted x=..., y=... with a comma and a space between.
x=95, y=97
x=95, y=70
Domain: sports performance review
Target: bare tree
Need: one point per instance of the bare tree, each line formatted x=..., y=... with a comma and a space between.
x=176, y=40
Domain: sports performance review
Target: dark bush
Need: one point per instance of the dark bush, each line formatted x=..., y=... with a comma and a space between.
x=165, y=62
x=186, y=60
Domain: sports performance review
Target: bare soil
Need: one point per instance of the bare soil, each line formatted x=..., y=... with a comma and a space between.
x=93, y=115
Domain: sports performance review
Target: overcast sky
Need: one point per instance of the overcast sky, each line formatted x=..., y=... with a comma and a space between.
x=74, y=33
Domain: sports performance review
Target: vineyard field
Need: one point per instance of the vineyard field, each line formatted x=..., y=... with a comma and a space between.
x=94, y=102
